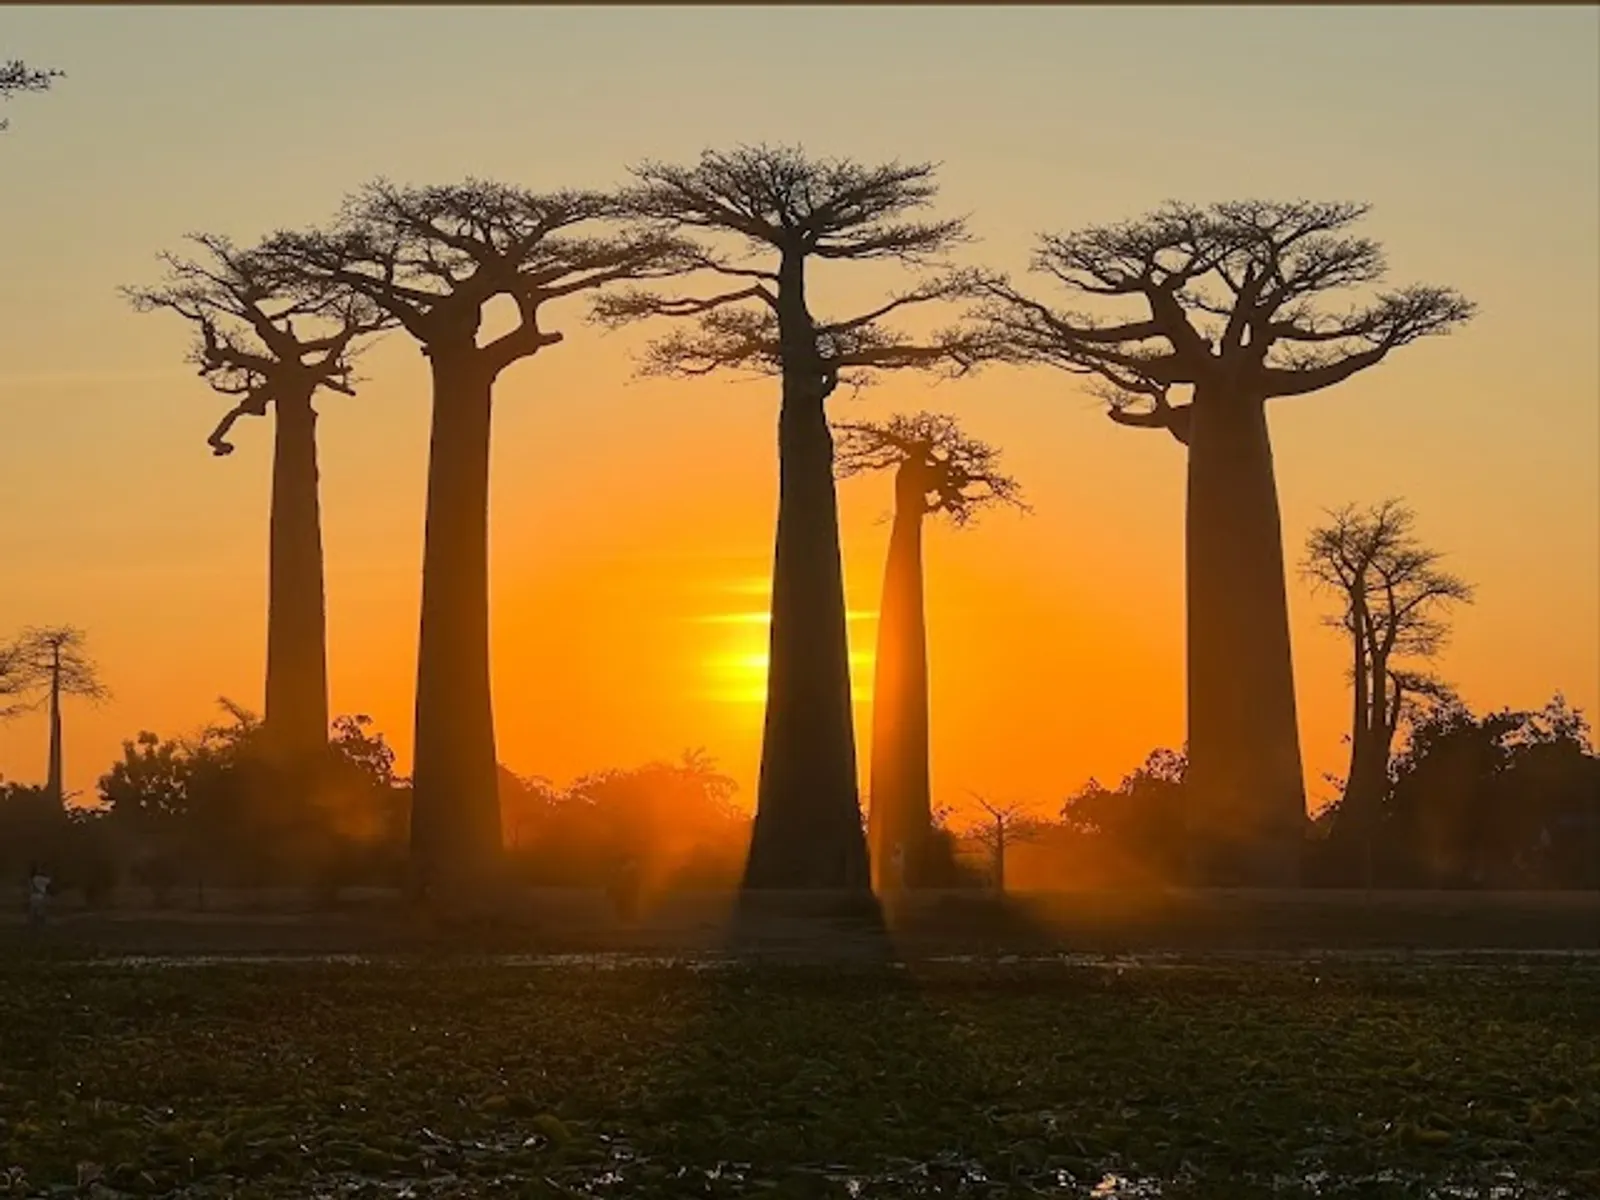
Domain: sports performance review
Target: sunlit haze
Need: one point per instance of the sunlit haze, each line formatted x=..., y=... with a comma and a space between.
x=632, y=519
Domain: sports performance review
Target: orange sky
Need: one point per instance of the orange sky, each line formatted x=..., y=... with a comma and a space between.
x=632, y=520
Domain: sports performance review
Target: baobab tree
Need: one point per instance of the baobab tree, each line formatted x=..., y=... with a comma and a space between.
x=760, y=217
x=1007, y=825
x=263, y=343
x=1230, y=310
x=432, y=259
x=18, y=78
x=938, y=471
x=52, y=660
x=1394, y=604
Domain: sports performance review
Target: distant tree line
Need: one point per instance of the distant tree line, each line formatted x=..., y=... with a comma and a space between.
x=1501, y=799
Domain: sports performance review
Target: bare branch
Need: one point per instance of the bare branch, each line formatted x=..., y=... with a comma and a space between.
x=18, y=78
x=431, y=258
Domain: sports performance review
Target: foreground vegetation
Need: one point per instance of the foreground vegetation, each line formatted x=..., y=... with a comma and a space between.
x=447, y=1079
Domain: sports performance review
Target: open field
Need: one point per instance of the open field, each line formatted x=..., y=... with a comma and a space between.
x=422, y=1077
x=811, y=926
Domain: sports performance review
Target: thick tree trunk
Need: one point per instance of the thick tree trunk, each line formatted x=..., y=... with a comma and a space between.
x=1247, y=792
x=295, y=726
x=899, y=816
x=455, y=814
x=807, y=831
x=53, y=786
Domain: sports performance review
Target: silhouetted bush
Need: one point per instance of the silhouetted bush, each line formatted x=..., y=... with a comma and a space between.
x=669, y=825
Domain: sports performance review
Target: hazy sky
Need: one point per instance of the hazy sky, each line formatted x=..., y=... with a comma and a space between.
x=632, y=519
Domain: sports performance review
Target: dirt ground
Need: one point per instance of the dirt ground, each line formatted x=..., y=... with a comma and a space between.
x=826, y=926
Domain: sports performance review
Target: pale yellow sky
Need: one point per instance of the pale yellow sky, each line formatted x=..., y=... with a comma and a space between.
x=626, y=512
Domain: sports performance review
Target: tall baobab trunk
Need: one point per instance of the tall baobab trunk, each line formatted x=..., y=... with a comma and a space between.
x=455, y=817
x=53, y=785
x=1247, y=807
x=900, y=808
x=807, y=831
x=296, y=721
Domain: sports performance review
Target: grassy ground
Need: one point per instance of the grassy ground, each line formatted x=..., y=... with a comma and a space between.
x=576, y=920
x=433, y=1077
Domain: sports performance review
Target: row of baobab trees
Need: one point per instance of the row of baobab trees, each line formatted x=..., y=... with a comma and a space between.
x=1196, y=317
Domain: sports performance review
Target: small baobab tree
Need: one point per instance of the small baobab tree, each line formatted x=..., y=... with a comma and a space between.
x=761, y=217
x=1007, y=825
x=1394, y=601
x=51, y=662
x=938, y=471
x=432, y=259
x=1230, y=305
x=263, y=342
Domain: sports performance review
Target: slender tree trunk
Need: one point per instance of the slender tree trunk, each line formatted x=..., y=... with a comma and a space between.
x=807, y=831
x=455, y=815
x=1247, y=791
x=53, y=785
x=295, y=726
x=900, y=813
x=1353, y=831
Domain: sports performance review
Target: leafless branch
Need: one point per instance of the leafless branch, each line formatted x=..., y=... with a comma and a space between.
x=431, y=258
x=18, y=78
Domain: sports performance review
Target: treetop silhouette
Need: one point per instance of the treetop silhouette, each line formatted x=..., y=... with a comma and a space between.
x=779, y=199
x=954, y=475
x=1230, y=294
x=244, y=307
x=432, y=257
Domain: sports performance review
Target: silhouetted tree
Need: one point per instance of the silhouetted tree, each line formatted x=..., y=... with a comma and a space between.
x=1394, y=603
x=432, y=258
x=1230, y=297
x=937, y=470
x=18, y=78
x=52, y=660
x=1008, y=825
x=261, y=342
x=1136, y=828
x=769, y=212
